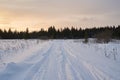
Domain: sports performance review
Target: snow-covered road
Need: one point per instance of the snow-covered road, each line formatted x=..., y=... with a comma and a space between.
x=61, y=60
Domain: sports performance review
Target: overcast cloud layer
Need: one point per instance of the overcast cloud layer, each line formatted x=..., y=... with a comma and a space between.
x=61, y=13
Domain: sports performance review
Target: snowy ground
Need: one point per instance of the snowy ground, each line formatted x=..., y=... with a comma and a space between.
x=59, y=60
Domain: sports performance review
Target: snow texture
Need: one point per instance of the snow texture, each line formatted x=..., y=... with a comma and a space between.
x=59, y=60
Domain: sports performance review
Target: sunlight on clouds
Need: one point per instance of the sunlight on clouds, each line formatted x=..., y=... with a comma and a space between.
x=36, y=14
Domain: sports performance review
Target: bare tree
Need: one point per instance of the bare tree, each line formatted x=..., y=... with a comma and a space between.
x=104, y=37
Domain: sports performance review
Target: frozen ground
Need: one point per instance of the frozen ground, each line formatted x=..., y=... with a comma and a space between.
x=58, y=60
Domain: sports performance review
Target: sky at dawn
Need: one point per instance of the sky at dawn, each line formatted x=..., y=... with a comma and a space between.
x=37, y=14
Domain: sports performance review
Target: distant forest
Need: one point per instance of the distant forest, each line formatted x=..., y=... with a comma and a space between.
x=66, y=33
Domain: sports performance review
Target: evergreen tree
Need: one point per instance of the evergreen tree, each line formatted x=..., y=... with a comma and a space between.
x=86, y=37
x=10, y=34
x=65, y=33
x=26, y=34
x=1, y=34
x=52, y=32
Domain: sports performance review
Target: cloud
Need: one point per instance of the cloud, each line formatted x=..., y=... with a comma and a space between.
x=61, y=12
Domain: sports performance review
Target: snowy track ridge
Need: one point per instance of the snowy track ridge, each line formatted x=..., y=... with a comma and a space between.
x=55, y=61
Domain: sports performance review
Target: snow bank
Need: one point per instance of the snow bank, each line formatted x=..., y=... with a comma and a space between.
x=59, y=60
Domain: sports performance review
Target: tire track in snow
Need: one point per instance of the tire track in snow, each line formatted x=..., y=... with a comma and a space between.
x=96, y=73
x=88, y=70
x=61, y=63
x=24, y=70
x=49, y=66
x=56, y=61
x=40, y=67
x=77, y=69
x=51, y=72
x=39, y=53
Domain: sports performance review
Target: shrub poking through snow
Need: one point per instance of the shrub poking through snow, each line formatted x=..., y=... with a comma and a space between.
x=103, y=37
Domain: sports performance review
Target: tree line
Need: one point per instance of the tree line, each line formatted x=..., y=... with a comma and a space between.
x=65, y=33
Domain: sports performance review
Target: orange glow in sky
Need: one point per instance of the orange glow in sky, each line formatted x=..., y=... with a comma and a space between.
x=37, y=14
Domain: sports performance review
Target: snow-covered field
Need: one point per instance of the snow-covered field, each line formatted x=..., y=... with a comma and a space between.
x=59, y=60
